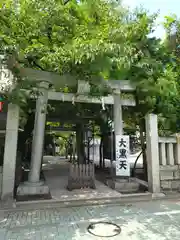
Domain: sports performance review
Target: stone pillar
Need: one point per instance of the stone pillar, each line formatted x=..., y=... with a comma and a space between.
x=118, y=130
x=152, y=147
x=118, y=122
x=38, y=134
x=170, y=154
x=178, y=149
x=10, y=152
x=34, y=186
x=162, y=154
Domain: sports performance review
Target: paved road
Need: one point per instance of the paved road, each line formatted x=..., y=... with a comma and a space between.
x=142, y=221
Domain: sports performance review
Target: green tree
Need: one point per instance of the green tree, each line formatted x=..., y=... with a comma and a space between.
x=172, y=44
x=79, y=38
x=90, y=40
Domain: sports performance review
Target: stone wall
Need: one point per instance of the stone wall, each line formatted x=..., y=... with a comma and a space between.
x=169, y=158
x=170, y=177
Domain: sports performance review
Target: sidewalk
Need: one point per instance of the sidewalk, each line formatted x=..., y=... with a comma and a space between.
x=141, y=221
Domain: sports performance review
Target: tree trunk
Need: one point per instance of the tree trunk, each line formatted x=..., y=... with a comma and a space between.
x=80, y=143
x=112, y=155
x=88, y=149
x=23, y=136
x=74, y=149
x=101, y=152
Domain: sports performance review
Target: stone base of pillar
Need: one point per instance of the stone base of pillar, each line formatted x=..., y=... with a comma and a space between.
x=124, y=185
x=7, y=202
x=158, y=195
x=29, y=188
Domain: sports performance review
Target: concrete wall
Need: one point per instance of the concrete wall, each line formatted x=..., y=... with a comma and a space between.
x=169, y=157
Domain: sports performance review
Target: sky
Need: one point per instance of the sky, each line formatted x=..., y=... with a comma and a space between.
x=165, y=7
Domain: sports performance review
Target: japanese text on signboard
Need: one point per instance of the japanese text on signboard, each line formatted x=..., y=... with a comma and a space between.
x=122, y=156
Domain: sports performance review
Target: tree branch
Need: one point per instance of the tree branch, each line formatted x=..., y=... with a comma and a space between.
x=66, y=1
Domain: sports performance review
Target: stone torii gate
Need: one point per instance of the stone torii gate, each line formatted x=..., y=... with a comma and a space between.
x=34, y=185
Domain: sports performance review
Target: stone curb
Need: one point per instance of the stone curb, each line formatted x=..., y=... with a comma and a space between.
x=125, y=199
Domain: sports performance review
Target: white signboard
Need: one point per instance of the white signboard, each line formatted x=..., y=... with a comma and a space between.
x=122, y=156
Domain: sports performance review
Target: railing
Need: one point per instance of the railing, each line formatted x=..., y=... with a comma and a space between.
x=169, y=151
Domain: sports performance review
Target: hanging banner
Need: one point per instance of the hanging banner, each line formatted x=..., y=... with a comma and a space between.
x=122, y=156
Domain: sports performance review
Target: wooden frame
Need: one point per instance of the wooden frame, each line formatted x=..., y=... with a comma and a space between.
x=81, y=176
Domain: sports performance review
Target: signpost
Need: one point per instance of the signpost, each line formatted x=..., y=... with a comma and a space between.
x=122, y=156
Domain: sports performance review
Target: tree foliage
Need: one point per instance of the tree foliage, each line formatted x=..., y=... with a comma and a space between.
x=92, y=40
x=172, y=46
x=79, y=38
